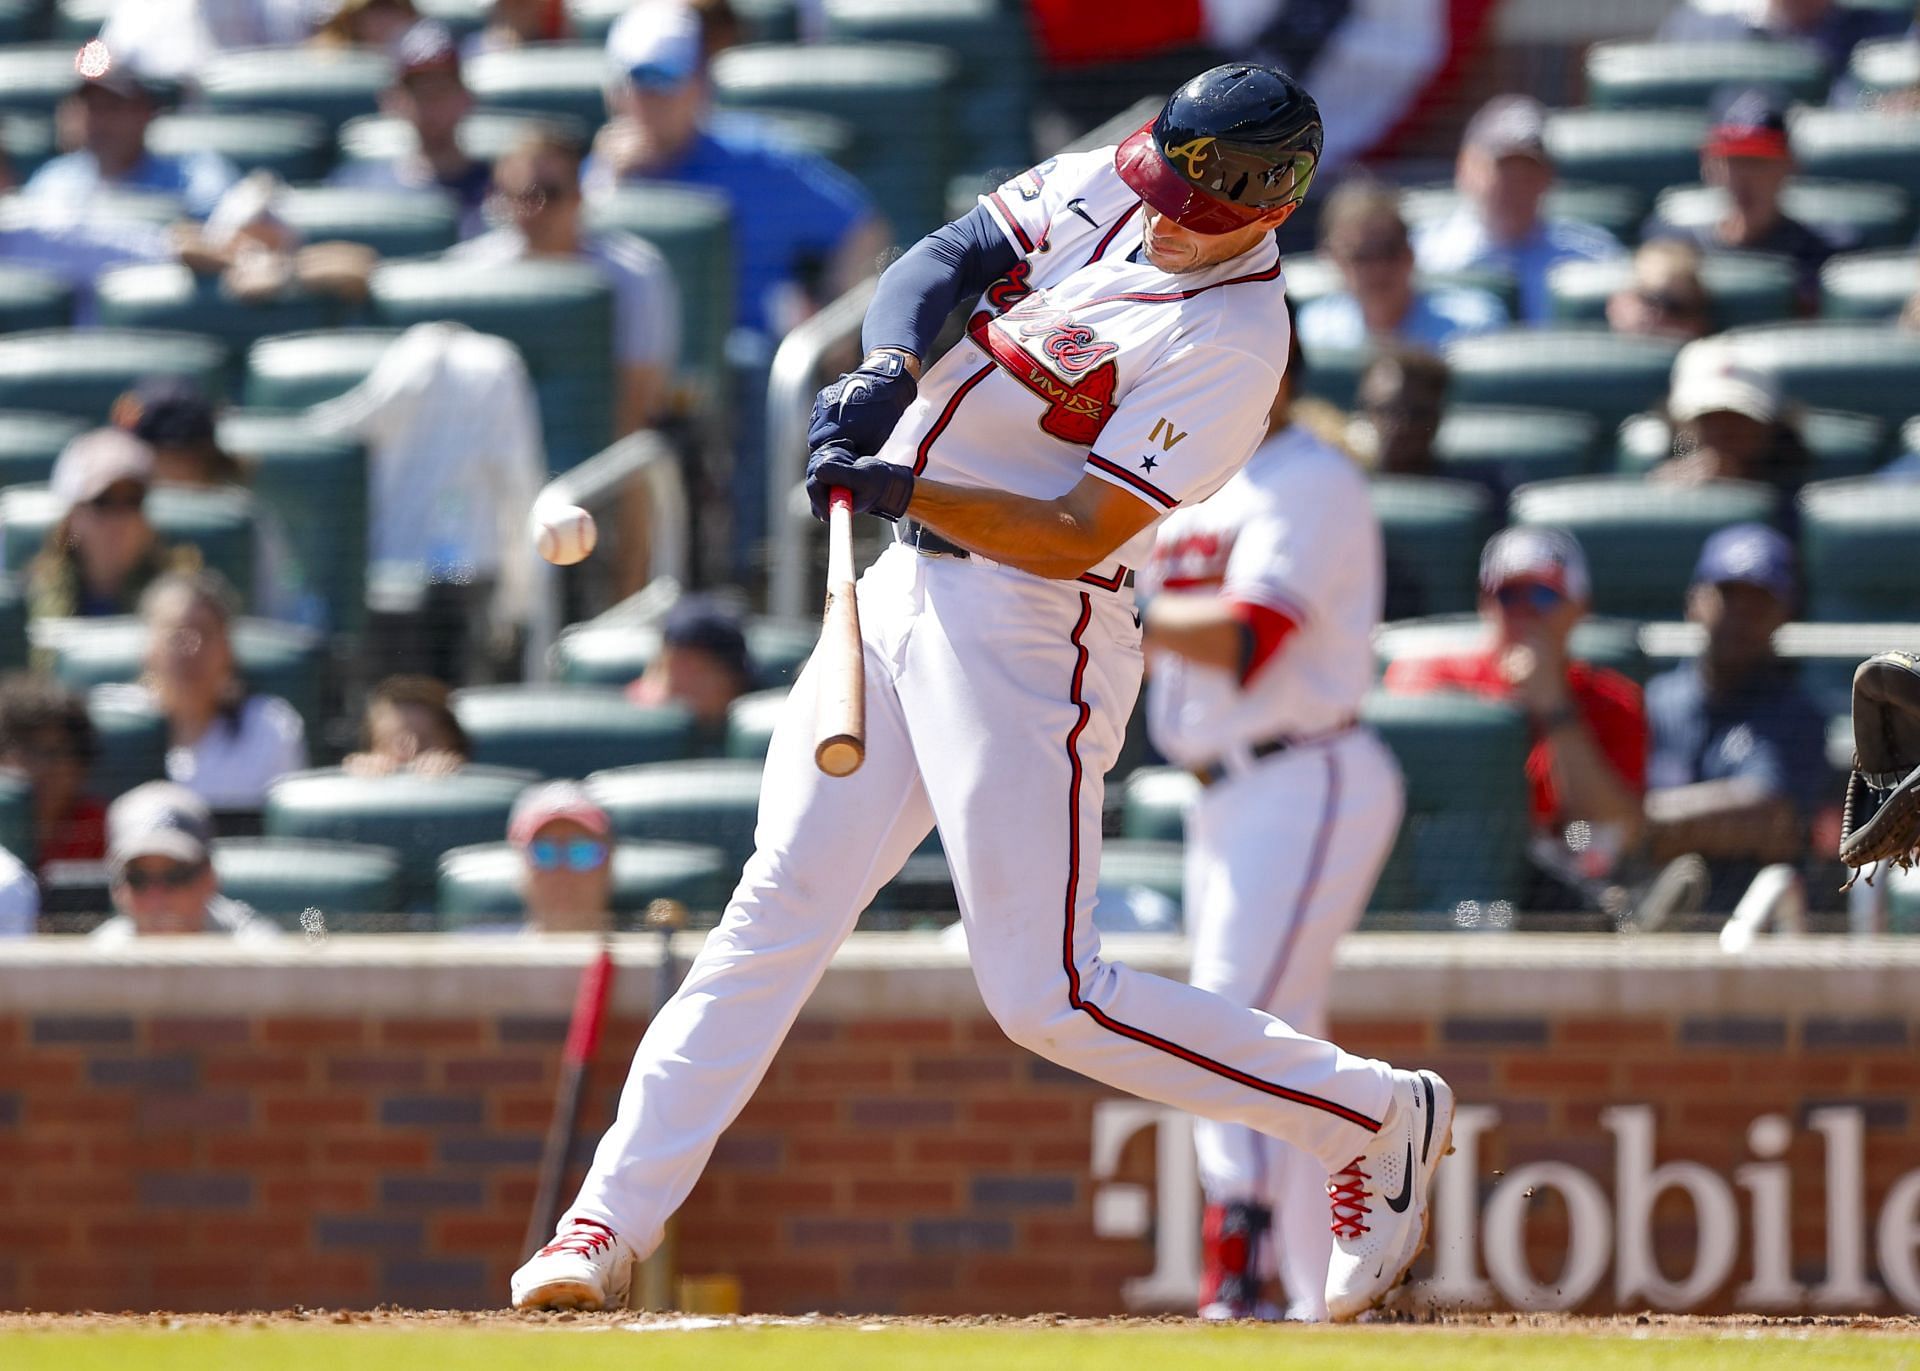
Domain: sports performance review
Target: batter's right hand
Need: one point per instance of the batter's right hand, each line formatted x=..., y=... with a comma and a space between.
x=860, y=409
x=877, y=487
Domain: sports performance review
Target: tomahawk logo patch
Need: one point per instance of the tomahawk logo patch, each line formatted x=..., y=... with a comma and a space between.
x=1062, y=361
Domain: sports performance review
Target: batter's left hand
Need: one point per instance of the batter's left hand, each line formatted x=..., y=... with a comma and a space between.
x=861, y=408
x=878, y=487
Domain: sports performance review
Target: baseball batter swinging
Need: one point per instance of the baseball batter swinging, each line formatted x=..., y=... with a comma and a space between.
x=1126, y=342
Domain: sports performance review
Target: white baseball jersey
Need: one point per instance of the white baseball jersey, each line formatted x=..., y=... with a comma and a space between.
x=1159, y=384
x=1294, y=531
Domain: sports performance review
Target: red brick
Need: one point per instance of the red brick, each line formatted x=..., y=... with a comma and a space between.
x=779, y=1193
x=904, y=1032
x=1383, y=1036
x=1900, y=1075
x=1612, y=1032
x=1721, y=1119
x=248, y=1153
x=165, y=1152
x=514, y=1192
x=230, y=1031
x=235, y=1231
x=1027, y=1113
x=845, y=1071
x=33, y=1151
x=775, y=1112
x=725, y=1236
x=63, y=1190
x=257, y=1070
x=71, y=1109
x=1678, y=1073
x=463, y=1234
x=1058, y=1153
x=431, y=1032
x=308, y=1111
x=385, y=1149
x=1827, y=1073
x=308, y=1194
x=495, y=1072
x=905, y=1195
x=942, y=1073
x=10, y=1032
x=89, y=1284
x=49, y=1231
x=138, y=1235
x=40, y=1071
x=1026, y=1281
x=313, y=1032
x=520, y=1112
x=203, y=1283
x=952, y=1151
x=844, y=1151
x=1558, y=1074
x=1069, y=1235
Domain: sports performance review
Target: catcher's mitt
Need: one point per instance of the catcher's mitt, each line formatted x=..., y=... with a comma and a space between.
x=1882, y=819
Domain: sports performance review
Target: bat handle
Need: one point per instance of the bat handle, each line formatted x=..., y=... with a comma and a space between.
x=841, y=729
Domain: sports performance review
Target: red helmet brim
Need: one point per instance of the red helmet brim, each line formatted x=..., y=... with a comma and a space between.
x=1142, y=167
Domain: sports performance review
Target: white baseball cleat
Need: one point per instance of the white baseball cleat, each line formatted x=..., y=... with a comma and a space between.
x=586, y=1266
x=1380, y=1199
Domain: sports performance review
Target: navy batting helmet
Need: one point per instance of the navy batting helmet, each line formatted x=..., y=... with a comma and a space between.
x=1233, y=144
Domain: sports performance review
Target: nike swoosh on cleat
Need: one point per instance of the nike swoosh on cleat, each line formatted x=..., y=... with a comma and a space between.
x=1426, y=1142
x=1398, y=1203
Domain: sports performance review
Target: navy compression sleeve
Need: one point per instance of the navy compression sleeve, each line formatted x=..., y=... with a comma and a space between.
x=919, y=290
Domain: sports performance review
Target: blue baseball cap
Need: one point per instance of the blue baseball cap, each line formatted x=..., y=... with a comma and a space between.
x=1749, y=554
x=656, y=45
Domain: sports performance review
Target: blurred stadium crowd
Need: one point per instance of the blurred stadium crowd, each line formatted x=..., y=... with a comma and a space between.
x=300, y=307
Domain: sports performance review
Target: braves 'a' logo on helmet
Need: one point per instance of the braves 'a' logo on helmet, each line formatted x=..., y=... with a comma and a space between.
x=1062, y=361
x=1193, y=152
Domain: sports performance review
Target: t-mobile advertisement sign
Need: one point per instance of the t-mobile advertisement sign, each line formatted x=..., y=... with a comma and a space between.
x=1871, y=1258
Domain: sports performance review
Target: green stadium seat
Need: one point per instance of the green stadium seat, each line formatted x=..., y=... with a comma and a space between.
x=614, y=653
x=132, y=738
x=558, y=314
x=1860, y=213
x=1641, y=540
x=298, y=370
x=1503, y=447
x=562, y=731
x=563, y=79
x=484, y=135
x=896, y=96
x=330, y=84
x=394, y=223
x=1841, y=444
x=83, y=371
x=1434, y=530
x=1611, y=643
x=1462, y=846
x=1857, y=541
x=692, y=230
x=317, y=485
x=462, y=17
x=751, y=720
x=21, y=20
x=27, y=142
x=1128, y=863
x=294, y=147
x=1642, y=150
x=16, y=816
x=481, y=885
x=1616, y=209
x=1133, y=873
x=1674, y=75
x=31, y=298
x=79, y=20
x=992, y=96
x=283, y=878
x=218, y=522
x=1154, y=802
x=13, y=626
x=1747, y=288
x=1333, y=374
x=276, y=658
x=419, y=817
x=1863, y=368
x=1868, y=285
x=165, y=295
x=1887, y=66
x=1858, y=145
x=34, y=78
x=714, y=802
x=30, y=443
x=1607, y=375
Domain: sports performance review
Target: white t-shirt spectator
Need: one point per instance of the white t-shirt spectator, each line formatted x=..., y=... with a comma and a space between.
x=19, y=898
x=646, y=306
x=62, y=243
x=231, y=765
x=231, y=917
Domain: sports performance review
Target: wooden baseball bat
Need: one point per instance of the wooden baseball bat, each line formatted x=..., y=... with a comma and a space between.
x=840, y=725
x=583, y=1038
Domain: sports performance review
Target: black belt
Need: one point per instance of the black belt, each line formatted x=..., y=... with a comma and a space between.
x=927, y=543
x=1216, y=771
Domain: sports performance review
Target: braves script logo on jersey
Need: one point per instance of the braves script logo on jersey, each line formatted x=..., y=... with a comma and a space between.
x=1062, y=361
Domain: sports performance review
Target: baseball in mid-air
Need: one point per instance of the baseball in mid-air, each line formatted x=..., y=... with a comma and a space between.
x=564, y=533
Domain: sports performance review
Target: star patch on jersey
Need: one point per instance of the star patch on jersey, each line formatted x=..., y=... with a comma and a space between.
x=1147, y=463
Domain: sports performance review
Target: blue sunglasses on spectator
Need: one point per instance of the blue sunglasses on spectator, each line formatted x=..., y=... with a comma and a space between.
x=581, y=854
x=1535, y=596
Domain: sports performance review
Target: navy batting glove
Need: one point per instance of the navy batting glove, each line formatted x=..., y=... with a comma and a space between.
x=861, y=408
x=878, y=487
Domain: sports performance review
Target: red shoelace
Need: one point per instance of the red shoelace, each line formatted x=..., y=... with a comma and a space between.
x=1348, y=1191
x=583, y=1236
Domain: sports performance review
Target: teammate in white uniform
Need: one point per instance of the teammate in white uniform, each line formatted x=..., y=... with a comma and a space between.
x=1259, y=648
x=1125, y=347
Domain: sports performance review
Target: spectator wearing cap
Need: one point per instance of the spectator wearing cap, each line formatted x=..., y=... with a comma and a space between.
x=102, y=553
x=1667, y=296
x=107, y=116
x=47, y=736
x=565, y=842
x=429, y=94
x=1831, y=28
x=1746, y=155
x=409, y=725
x=173, y=416
x=172, y=40
x=1730, y=422
x=1503, y=175
x=537, y=204
x=160, y=864
x=803, y=230
x=1737, y=772
x=1588, y=762
x=701, y=666
x=1363, y=233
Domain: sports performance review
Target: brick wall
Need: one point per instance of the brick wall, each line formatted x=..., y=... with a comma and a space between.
x=218, y=1130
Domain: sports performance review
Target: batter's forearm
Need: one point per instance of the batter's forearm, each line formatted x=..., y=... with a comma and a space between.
x=1044, y=537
